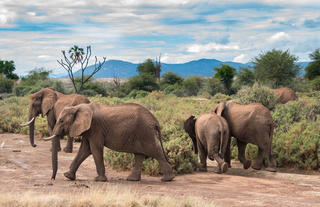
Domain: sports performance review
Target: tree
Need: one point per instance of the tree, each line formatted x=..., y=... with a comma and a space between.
x=245, y=76
x=7, y=68
x=147, y=67
x=170, y=78
x=313, y=68
x=76, y=55
x=225, y=74
x=276, y=68
x=157, y=68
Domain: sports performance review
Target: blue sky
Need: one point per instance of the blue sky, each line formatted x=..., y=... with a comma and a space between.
x=33, y=32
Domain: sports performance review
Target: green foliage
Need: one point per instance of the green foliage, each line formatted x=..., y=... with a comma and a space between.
x=315, y=84
x=245, y=77
x=137, y=94
x=144, y=82
x=36, y=80
x=6, y=85
x=275, y=68
x=256, y=94
x=170, y=78
x=7, y=68
x=225, y=73
x=147, y=67
x=192, y=85
x=215, y=86
x=91, y=88
x=313, y=68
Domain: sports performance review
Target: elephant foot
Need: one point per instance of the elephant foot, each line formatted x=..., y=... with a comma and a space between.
x=69, y=175
x=67, y=150
x=224, y=167
x=101, y=178
x=271, y=169
x=256, y=166
x=167, y=177
x=134, y=177
x=246, y=164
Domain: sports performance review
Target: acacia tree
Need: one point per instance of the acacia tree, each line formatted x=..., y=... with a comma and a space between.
x=7, y=68
x=313, y=68
x=276, y=68
x=77, y=57
x=225, y=74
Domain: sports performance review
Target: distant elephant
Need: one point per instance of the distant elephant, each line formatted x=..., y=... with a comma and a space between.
x=123, y=128
x=284, y=95
x=250, y=123
x=50, y=103
x=210, y=136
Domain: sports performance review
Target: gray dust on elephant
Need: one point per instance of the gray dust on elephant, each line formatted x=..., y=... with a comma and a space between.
x=210, y=137
x=50, y=103
x=124, y=128
x=250, y=123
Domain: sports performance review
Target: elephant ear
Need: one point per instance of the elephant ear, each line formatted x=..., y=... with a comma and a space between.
x=82, y=121
x=49, y=98
x=189, y=127
x=218, y=109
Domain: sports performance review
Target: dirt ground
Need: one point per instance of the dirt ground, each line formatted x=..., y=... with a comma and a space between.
x=23, y=168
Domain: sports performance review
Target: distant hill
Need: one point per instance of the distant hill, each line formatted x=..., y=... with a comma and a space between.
x=201, y=67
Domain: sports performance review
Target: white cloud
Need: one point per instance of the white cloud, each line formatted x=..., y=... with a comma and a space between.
x=241, y=58
x=280, y=36
x=198, y=48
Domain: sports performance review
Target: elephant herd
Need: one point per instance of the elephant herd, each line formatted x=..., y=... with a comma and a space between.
x=132, y=128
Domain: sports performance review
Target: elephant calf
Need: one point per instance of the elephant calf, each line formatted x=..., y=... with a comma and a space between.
x=210, y=136
x=123, y=128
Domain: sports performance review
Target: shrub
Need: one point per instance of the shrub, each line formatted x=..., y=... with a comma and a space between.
x=215, y=86
x=137, y=94
x=170, y=78
x=315, y=83
x=6, y=85
x=257, y=94
x=192, y=85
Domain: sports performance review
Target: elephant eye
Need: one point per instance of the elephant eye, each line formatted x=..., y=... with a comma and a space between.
x=61, y=121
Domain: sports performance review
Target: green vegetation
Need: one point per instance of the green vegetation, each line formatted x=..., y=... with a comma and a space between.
x=7, y=68
x=313, y=69
x=225, y=74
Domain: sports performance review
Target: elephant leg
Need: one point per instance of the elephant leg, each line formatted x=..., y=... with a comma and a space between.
x=271, y=160
x=203, y=157
x=69, y=147
x=166, y=169
x=223, y=166
x=227, y=156
x=135, y=175
x=97, y=153
x=82, y=154
x=259, y=161
x=241, y=154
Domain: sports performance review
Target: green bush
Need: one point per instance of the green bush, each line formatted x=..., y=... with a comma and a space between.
x=137, y=94
x=256, y=94
x=215, y=86
x=169, y=79
x=315, y=83
x=192, y=85
x=6, y=85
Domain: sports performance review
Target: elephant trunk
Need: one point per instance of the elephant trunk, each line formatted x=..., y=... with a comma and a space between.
x=54, y=157
x=31, y=134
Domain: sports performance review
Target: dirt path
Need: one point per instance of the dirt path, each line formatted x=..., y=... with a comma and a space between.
x=23, y=168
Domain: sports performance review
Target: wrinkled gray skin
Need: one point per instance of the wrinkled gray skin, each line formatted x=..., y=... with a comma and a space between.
x=284, y=95
x=50, y=103
x=250, y=123
x=210, y=137
x=123, y=128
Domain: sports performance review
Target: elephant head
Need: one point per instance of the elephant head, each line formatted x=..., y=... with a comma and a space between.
x=41, y=102
x=189, y=127
x=72, y=121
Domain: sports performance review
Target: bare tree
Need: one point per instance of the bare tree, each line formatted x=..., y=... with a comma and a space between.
x=76, y=55
x=116, y=81
x=157, y=68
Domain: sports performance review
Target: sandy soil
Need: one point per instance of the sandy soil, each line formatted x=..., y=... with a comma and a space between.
x=23, y=168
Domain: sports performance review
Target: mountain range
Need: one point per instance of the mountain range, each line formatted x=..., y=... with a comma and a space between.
x=201, y=67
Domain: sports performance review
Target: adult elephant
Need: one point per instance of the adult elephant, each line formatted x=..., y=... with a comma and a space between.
x=284, y=95
x=250, y=123
x=50, y=103
x=210, y=137
x=124, y=128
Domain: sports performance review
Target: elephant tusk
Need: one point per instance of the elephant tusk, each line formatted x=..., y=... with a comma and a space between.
x=49, y=138
x=27, y=123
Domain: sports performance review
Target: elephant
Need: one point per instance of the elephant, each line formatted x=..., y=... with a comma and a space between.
x=250, y=123
x=284, y=95
x=50, y=103
x=124, y=128
x=210, y=137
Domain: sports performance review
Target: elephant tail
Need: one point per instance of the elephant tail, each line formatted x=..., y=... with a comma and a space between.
x=160, y=139
x=272, y=125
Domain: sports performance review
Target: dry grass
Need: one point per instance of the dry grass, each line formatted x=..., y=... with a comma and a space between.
x=112, y=196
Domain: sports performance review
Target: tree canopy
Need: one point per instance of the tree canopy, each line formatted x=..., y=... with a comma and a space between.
x=313, y=68
x=7, y=68
x=225, y=74
x=276, y=68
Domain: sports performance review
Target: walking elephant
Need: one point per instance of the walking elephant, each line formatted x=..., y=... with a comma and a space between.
x=250, y=123
x=284, y=95
x=123, y=128
x=210, y=137
x=50, y=103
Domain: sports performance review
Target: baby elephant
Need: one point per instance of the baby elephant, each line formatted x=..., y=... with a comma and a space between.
x=210, y=136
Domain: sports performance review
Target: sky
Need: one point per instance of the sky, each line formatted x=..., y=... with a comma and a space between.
x=34, y=32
